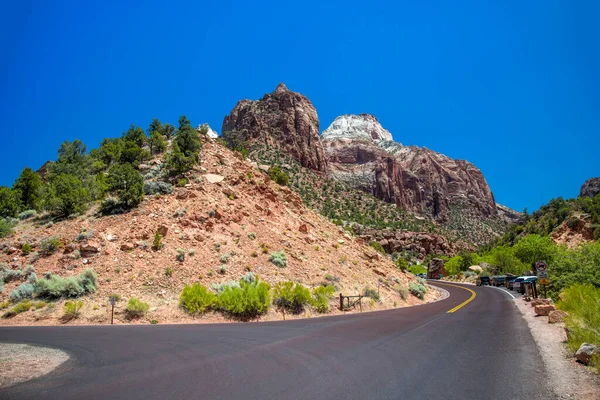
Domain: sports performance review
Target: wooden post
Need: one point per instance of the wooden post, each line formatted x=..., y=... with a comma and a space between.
x=112, y=314
x=341, y=302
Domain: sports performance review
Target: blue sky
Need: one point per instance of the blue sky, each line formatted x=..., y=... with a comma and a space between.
x=512, y=86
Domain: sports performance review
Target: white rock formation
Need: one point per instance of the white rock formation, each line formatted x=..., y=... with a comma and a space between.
x=211, y=134
x=362, y=126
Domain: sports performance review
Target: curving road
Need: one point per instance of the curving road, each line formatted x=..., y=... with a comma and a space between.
x=482, y=350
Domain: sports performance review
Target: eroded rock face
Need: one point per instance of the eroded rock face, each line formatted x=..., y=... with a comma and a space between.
x=282, y=119
x=590, y=188
x=362, y=153
x=421, y=243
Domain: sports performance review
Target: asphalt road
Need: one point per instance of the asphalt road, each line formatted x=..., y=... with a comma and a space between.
x=483, y=350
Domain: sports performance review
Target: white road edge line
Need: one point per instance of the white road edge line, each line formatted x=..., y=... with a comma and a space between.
x=505, y=291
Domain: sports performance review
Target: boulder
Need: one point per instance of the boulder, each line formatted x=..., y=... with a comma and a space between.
x=89, y=248
x=543, y=309
x=436, y=267
x=585, y=352
x=556, y=316
x=163, y=230
x=476, y=268
x=304, y=228
x=213, y=178
x=127, y=246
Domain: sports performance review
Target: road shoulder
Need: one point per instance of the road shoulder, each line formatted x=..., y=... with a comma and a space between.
x=568, y=379
x=23, y=362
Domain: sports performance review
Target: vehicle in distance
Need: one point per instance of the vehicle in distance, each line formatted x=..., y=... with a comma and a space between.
x=509, y=282
x=527, y=279
x=498, y=280
x=482, y=280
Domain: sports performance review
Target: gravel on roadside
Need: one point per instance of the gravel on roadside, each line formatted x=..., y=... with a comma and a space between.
x=22, y=362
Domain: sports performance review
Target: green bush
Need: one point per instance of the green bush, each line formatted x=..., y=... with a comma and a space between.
x=26, y=249
x=136, y=308
x=279, y=258
x=320, y=298
x=72, y=310
x=401, y=263
x=55, y=287
x=6, y=228
x=247, y=301
x=291, y=297
x=22, y=292
x=19, y=308
x=27, y=214
x=402, y=291
x=582, y=302
x=252, y=235
x=7, y=275
x=49, y=246
x=417, y=269
x=377, y=246
x=278, y=175
x=196, y=299
x=372, y=293
x=180, y=255
x=417, y=289
x=156, y=243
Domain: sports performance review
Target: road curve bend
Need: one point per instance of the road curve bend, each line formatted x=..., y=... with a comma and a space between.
x=481, y=350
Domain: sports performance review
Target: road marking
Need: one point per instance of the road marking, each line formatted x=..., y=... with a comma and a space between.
x=505, y=291
x=464, y=303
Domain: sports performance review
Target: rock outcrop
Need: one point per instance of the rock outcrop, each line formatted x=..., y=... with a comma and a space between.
x=209, y=132
x=590, y=188
x=361, y=152
x=282, y=119
x=421, y=243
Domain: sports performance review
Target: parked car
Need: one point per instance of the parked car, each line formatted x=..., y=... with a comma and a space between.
x=509, y=281
x=527, y=279
x=482, y=280
x=498, y=280
x=514, y=284
x=424, y=276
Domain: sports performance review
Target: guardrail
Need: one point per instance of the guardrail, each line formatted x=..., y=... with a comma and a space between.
x=348, y=305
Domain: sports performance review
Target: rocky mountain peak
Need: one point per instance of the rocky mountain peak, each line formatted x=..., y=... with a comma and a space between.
x=357, y=127
x=283, y=119
x=590, y=188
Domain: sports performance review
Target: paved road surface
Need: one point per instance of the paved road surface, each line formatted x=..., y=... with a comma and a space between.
x=482, y=351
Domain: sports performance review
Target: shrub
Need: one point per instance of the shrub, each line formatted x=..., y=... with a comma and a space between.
x=111, y=206
x=156, y=243
x=290, y=296
x=136, y=308
x=401, y=263
x=84, y=235
x=582, y=302
x=6, y=228
x=72, y=310
x=39, y=304
x=225, y=258
x=169, y=272
x=49, y=246
x=196, y=299
x=321, y=297
x=249, y=277
x=180, y=255
x=55, y=287
x=222, y=270
x=371, y=293
x=26, y=249
x=279, y=258
x=278, y=175
x=7, y=275
x=4, y=304
x=402, y=291
x=19, y=308
x=245, y=302
x=377, y=246
x=417, y=290
x=22, y=292
x=252, y=235
x=417, y=269
x=158, y=188
x=27, y=214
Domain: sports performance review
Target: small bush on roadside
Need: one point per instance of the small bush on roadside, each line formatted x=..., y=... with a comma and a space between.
x=55, y=287
x=291, y=297
x=417, y=290
x=4, y=304
x=402, y=291
x=136, y=308
x=321, y=297
x=72, y=309
x=279, y=258
x=371, y=293
x=19, y=308
x=249, y=277
x=250, y=300
x=39, y=304
x=22, y=292
x=196, y=299
x=180, y=255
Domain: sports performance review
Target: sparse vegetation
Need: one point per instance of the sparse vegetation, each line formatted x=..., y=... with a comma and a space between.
x=377, y=247
x=291, y=297
x=180, y=255
x=55, y=287
x=417, y=289
x=19, y=308
x=321, y=297
x=72, y=309
x=371, y=293
x=247, y=301
x=279, y=258
x=49, y=246
x=136, y=308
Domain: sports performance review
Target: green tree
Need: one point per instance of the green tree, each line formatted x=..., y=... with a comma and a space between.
x=66, y=195
x=9, y=202
x=72, y=160
x=135, y=134
x=454, y=265
x=126, y=183
x=533, y=248
x=156, y=143
x=131, y=153
x=177, y=162
x=155, y=126
x=29, y=185
x=109, y=151
x=188, y=139
x=168, y=130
